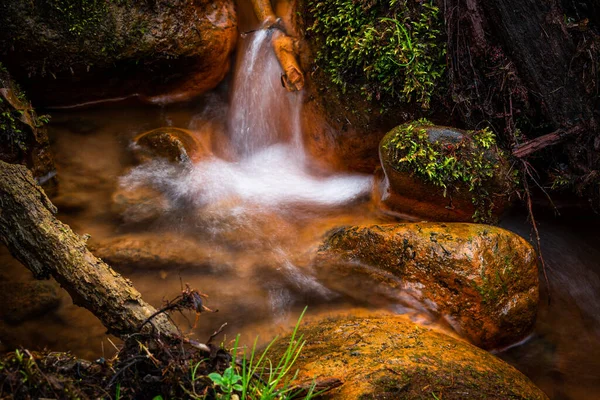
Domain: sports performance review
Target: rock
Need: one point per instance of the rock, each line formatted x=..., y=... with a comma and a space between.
x=163, y=51
x=453, y=176
x=23, y=136
x=482, y=280
x=26, y=300
x=139, y=204
x=166, y=251
x=389, y=357
x=173, y=144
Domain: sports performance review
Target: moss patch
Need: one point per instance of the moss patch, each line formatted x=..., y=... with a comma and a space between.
x=389, y=50
x=468, y=162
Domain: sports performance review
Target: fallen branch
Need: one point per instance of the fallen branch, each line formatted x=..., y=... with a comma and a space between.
x=544, y=141
x=292, y=78
x=48, y=247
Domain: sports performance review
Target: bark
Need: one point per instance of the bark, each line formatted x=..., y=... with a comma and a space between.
x=535, y=37
x=264, y=12
x=48, y=247
x=292, y=78
x=544, y=141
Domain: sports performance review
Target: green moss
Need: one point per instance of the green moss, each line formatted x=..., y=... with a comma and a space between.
x=466, y=165
x=386, y=49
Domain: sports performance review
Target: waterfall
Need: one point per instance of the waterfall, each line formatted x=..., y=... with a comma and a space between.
x=270, y=168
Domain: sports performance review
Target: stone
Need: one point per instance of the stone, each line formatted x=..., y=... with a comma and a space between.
x=139, y=204
x=159, y=252
x=482, y=280
x=23, y=301
x=165, y=51
x=173, y=144
x=401, y=190
x=390, y=357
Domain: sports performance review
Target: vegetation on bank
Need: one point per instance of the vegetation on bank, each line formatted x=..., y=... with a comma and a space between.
x=388, y=50
x=469, y=164
x=15, y=113
x=146, y=367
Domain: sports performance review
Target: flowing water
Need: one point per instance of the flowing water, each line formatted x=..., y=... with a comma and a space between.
x=254, y=213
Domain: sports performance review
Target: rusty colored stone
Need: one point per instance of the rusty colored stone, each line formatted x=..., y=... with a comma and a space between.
x=164, y=52
x=390, y=357
x=482, y=280
x=173, y=144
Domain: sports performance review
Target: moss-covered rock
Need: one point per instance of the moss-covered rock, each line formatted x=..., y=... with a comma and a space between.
x=372, y=66
x=389, y=357
x=75, y=51
x=23, y=136
x=482, y=280
x=443, y=174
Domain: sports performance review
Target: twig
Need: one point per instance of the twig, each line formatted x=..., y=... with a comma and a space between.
x=537, y=233
x=216, y=333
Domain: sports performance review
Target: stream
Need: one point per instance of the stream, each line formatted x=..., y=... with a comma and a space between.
x=256, y=210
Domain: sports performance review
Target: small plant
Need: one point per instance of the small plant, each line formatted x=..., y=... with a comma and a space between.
x=228, y=382
x=257, y=376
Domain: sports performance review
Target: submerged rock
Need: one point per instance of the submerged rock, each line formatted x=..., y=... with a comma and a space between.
x=482, y=280
x=443, y=174
x=173, y=144
x=164, y=50
x=389, y=357
x=159, y=252
x=26, y=300
x=139, y=204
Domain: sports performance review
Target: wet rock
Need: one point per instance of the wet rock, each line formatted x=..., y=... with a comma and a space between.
x=23, y=136
x=22, y=301
x=457, y=176
x=164, y=51
x=389, y=357
x=139, y=204
x=159, y=252
x=481, y=279
x=173, y=144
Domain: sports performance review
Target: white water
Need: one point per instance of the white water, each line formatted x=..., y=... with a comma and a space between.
x=264, y=127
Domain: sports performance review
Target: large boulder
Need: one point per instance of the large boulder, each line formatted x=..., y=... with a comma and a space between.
x=482, y=280
x=23, y=136
x=443, y=174
x=71, y=51
x=390, y=357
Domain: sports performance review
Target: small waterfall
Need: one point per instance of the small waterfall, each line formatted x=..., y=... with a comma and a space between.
x=270, y=168
x=262, y=112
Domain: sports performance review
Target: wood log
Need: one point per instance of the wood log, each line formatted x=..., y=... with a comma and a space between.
x=530, y=147
x=48, y=247
x=264, y=12
x=293, y=78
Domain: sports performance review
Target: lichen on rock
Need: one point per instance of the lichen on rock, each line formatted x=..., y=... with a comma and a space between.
x=482, y=280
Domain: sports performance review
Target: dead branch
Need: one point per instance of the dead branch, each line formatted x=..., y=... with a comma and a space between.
x=534, y=145
x=48, y=247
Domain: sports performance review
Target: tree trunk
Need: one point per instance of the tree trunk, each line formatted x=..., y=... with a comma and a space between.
x=50, y=248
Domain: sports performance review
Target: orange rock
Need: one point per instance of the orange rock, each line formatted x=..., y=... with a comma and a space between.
x=172, y=144
x=390, y=357
x=481, y=279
